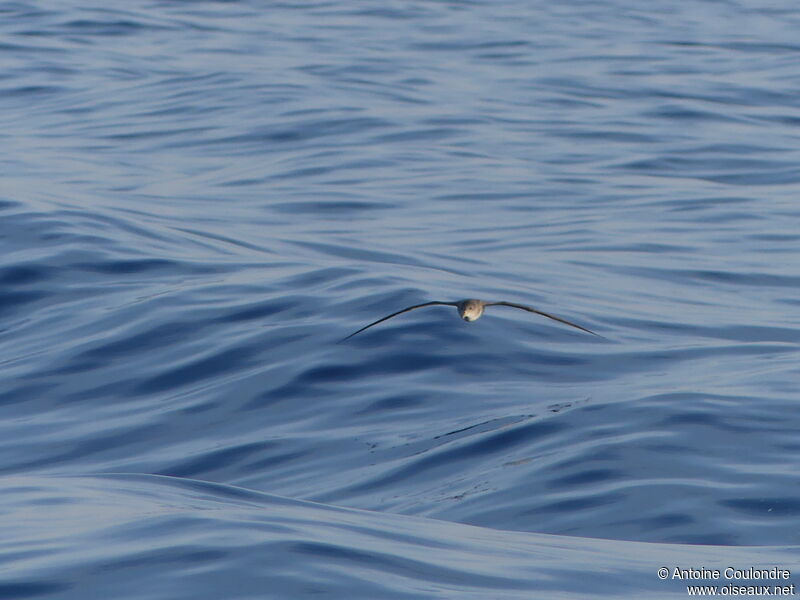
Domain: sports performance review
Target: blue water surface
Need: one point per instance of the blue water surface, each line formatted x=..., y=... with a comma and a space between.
x=199, y=200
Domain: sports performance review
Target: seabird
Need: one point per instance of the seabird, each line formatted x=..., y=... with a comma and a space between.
x=471, y=310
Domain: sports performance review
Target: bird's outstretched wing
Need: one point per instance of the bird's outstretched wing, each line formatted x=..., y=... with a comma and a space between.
x=394, y=314
x=544, y=314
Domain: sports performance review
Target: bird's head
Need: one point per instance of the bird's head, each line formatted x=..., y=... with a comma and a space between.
x=470, y=310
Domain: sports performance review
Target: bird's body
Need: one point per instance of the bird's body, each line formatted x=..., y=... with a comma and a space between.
x=471, y=310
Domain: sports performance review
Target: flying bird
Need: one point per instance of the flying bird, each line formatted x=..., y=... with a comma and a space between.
x=471, y=310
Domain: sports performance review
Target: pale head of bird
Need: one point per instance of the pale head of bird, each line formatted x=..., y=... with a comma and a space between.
x=470, y=310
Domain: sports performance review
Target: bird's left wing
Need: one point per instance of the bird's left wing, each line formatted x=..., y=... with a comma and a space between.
x=544, y=314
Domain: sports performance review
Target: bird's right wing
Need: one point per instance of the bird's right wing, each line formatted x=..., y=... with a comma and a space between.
x=399, y=312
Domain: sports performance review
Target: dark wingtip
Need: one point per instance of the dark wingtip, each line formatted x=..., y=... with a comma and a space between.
x=344, y=339
x=576, y=326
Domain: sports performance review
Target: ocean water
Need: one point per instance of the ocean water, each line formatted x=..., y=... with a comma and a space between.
x=199, y=200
